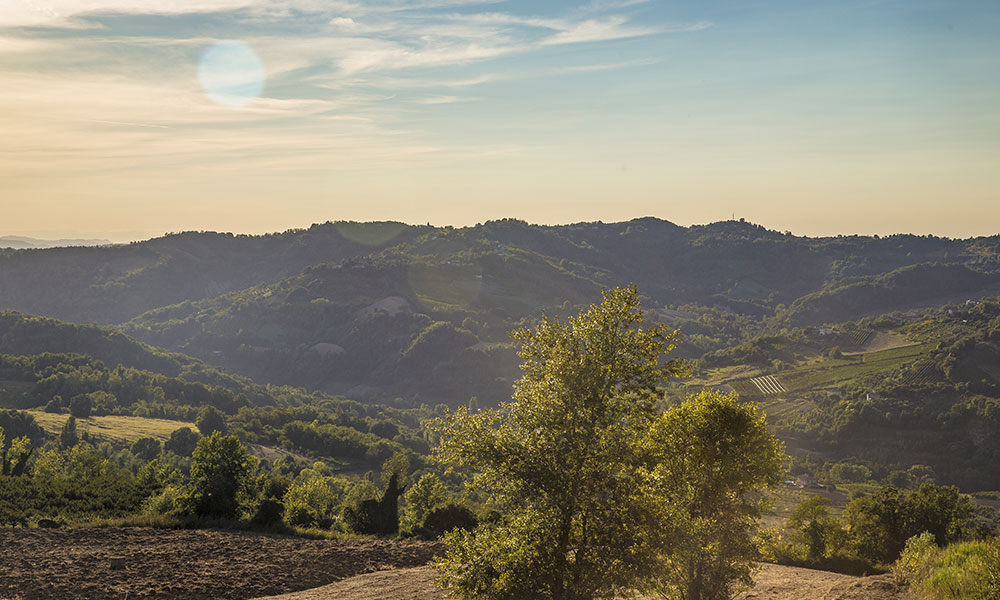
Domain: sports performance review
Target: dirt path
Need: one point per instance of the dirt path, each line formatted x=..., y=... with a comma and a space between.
x=396, y=584
x=774, y=582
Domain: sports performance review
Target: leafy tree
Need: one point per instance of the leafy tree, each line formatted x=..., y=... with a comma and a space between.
x=182, y=441
x=721, y=453
x=849, y=473
x=313, y=499
x=146, y=448
x=14, y=459
x=221, y=472
x=80, y=406
x=566, y=463
x=377, y=516
x=399, y=465
x=939, y=509
x=210, y=420
x=421, y=498
x=880, y=523
x=812, y=519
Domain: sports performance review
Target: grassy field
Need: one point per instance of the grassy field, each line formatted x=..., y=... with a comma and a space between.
x=112, y=427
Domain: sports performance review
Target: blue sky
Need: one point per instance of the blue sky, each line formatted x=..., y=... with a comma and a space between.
x=121, y=120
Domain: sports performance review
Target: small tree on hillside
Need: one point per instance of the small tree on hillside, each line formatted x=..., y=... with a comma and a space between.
x=221, y=471
x=80, y=406
x=210, y=420
x=182, y=441
x=69, y=437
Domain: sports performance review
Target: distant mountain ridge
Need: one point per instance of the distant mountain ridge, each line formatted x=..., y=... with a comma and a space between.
x=20, y=242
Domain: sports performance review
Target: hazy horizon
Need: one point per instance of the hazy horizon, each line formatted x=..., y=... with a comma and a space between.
x=127, y=237
x=130, y=118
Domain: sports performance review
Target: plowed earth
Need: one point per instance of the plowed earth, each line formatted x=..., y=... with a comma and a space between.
x=75, y=564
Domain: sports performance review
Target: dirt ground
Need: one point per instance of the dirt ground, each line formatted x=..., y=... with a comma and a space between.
x=75, y=564
x=774, y=582
x=43, y=564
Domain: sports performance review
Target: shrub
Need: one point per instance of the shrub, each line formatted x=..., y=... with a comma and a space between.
x=268, y=512
x=164, y=503
x=447, y=518
x=917, y=559
x=966, y=571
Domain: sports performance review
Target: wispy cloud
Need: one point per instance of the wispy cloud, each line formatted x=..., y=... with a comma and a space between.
x=345, y=83
x=445, y=100
x=591, y=68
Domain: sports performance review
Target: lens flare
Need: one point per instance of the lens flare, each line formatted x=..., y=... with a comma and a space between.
x=231, y=74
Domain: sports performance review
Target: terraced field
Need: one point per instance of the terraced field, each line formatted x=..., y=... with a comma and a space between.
x=834, y=372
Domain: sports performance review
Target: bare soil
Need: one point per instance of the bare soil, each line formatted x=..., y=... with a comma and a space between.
x=774, y=582
x=75, y=564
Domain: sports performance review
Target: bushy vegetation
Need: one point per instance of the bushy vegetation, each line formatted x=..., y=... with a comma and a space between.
x=875, y=530
x=961, y=571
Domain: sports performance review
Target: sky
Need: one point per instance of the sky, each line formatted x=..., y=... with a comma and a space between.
x=125, y=119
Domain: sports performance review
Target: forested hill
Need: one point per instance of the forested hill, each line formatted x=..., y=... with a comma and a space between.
x=733, y=264
x=112, y=284
x=380, y=311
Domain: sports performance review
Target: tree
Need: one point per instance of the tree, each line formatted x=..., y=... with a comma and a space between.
x=578, y=467
x=221, y=471
x=182, y=442
x=210, y=420
x=313, y=499
x=146, y=448
x=424, y=496
x=377, y=516
x=880, y=524
x=812, y=519
x=14, y=459
x=80, y=406
x=69, y=437
x=721, y=453
x=849, y=473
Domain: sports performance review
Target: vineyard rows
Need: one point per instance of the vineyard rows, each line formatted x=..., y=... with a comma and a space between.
x=920, y=372
x=860, y=337
x=768, y=385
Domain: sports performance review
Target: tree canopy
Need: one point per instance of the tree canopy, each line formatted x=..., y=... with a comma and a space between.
x=581, y=469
